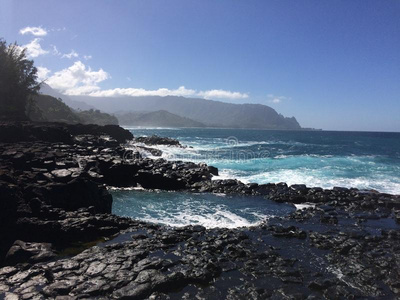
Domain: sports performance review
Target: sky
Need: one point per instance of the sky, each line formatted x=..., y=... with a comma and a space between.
x=332, y=64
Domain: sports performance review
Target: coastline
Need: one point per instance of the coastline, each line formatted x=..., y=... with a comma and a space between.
x=241, y=128
x=52, y=182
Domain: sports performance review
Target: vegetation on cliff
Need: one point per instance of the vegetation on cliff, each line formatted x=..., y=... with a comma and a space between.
x=50, y=109
x=18, y=82
x=95, y=116
x=20, y=100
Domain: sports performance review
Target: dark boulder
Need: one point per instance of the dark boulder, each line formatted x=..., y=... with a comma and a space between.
x=22, y=252
x=154, y=180
x=157, y=140
x=119, y=174
x=62, y=175
x=152, y=151
x=213, y=170
x=76, y=194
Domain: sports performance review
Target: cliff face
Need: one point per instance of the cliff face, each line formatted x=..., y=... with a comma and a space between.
x=208, y=112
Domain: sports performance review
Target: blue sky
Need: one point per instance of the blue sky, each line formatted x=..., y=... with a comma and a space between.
x=331, y=64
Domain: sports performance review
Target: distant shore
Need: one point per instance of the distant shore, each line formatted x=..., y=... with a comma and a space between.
x=206, y=127
x=233, y=128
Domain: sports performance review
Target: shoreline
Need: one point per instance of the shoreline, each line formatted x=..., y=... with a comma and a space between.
x=233, y=128
x=53, y=180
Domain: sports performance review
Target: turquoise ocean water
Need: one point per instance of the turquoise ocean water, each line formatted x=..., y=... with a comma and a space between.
x=365, y=160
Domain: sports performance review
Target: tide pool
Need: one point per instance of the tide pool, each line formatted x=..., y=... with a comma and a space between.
x=209, y=210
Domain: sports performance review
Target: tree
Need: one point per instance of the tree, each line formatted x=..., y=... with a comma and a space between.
x=18, y=82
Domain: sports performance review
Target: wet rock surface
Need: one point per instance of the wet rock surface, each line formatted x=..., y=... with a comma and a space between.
x=344, y=245
x=192, y=262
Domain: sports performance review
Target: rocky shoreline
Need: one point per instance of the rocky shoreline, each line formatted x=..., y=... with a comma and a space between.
x=60, y=240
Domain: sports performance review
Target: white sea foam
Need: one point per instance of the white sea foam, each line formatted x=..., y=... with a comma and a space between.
x=313, y=178
x=135, y=188
x=220, y=143
x=133, y=128
x=324, y=170
x=228, y=174
x=303, y=205
x=168, y=152
x=201, y=215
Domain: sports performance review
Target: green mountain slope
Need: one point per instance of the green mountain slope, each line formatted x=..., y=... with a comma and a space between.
x=161, y=118
x=50, y=109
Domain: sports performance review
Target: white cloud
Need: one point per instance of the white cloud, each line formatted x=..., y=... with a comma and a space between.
x=82, y=90
x=36, y=31
x=277, y=99
x=42, y=73
x=55, y=51
x=222, y=94
x=77, y=79
x=70, y=55
x=181, y=91
x=81, y=80
x=58, y=29
x=135, y=92
x=33, y=49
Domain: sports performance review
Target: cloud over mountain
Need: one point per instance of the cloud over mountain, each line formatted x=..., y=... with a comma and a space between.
x=81, y=80
x=77, y=79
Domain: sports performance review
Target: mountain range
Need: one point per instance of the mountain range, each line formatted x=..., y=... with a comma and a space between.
x=208, y=112
x=176, y=111
x=160, y=118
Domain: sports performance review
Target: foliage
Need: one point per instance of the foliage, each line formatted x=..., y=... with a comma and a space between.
x=18, y=81
x=51, y=109
x=96, y=117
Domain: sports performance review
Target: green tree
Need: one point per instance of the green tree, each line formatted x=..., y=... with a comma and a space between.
x=18, y=82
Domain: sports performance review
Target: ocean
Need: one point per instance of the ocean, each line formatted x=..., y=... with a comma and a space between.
x=364, y=160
